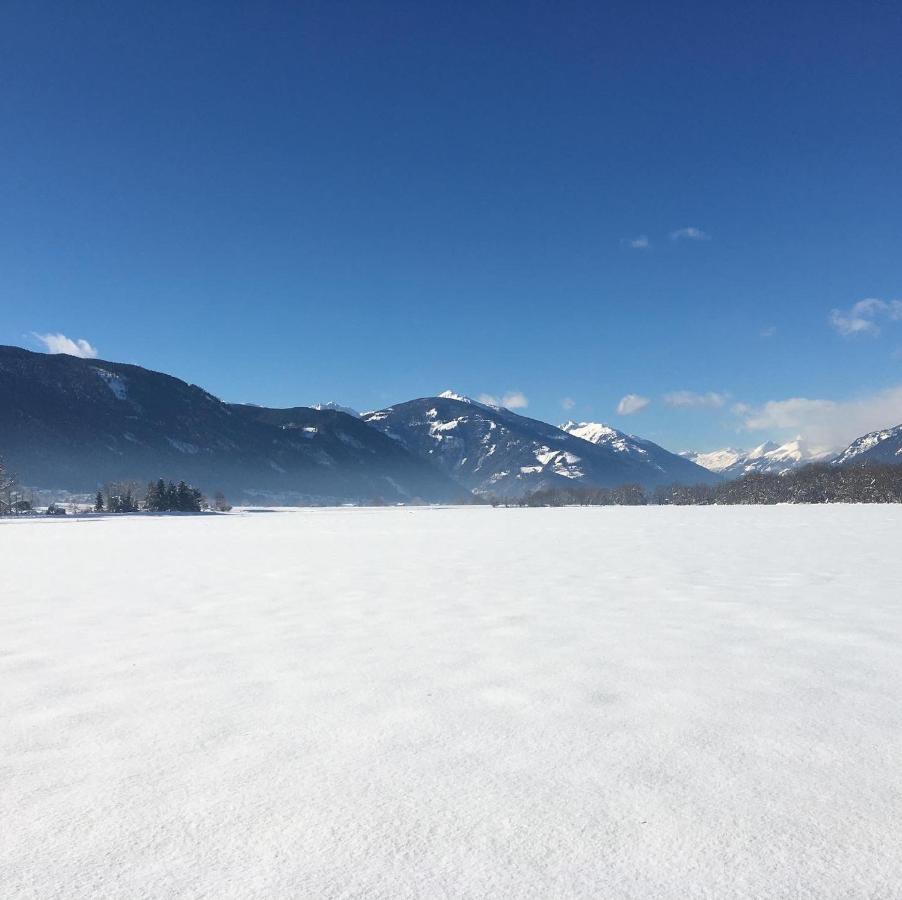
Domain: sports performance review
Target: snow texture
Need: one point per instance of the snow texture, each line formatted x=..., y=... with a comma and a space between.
x=116, y=383
x=467, y=703
x=183, y=446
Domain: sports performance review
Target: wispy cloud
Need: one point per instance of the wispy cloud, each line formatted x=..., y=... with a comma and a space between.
x=864, y=316
x=510, y=400
x=768, y=332
x=827, y=423
x=638, y=243
x=568, y=403
x=632, y=403
x=59, y=343
x=689, y=399
x=689, y=233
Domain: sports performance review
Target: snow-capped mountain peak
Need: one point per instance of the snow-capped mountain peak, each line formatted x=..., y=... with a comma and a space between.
x=453, y=395
x=336, y=407
x=596, y=432
x=605, y=435
x=884, y=446
x=716, y=460
x=492, y=450
x=768, y=457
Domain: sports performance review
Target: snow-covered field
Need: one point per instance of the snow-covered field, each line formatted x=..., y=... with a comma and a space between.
x=609, y=702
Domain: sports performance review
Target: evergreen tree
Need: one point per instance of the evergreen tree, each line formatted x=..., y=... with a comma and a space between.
x=153, y=499
x=98, y=502
x=182, y=497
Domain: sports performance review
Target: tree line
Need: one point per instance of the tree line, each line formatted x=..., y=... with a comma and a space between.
x=116, y=497
x=159, y=496
x=815, y=483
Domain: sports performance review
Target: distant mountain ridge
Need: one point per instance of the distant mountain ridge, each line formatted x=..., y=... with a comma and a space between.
x=73, y=423
x=769, y=457
x=494, y=451
x=336, y=407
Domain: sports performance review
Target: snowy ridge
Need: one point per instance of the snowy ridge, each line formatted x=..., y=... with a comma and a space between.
x=452, y=395
x=769, y=457
x=599, y=433
x=336, y=407
x=877, y=446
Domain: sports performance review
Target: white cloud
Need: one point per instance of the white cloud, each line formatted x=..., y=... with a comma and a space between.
x=631, y=403
x=686, y=399
x=59, y=343
x=826, y=423
x=689, y=233
x=568, y=403
x=510, y=400
x=639, y=243
x=769, y=332
x=863, y=316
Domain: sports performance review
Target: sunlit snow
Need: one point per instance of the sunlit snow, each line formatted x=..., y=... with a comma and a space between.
x=466, y=703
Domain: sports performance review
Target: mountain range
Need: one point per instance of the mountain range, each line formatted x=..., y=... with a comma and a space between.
x=491, y=450
x=72, y=423
x=772, y=458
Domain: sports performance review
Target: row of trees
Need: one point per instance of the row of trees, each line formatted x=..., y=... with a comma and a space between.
x=625, y=495
x=817, y=483
x=120, y=498
x=181, y=497
x=116, y=497
x=159, y=496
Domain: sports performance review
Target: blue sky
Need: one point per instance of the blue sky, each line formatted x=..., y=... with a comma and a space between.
x=565, y=204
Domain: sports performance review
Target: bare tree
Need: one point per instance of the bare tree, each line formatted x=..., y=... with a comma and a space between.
x=7, y=480
x=7, y=483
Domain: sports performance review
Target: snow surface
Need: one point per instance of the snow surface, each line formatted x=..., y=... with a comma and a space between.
x=543, y=703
